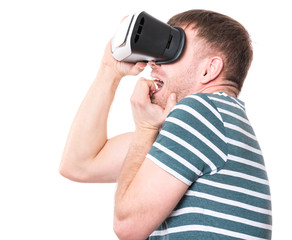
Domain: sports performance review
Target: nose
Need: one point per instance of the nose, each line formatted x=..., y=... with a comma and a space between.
x=153, y=65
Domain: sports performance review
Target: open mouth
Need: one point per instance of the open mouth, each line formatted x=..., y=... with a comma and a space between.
x=158, y=85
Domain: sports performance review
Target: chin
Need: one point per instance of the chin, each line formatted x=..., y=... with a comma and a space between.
x=158, y=101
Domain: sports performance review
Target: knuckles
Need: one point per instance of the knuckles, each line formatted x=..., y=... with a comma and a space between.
x=141, y=93
x=136, y=102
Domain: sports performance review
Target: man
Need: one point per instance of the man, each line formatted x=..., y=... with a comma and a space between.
x=193, y=168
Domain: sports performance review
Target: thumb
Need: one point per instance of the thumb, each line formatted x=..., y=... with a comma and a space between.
x=171, y=102
x=137, y=68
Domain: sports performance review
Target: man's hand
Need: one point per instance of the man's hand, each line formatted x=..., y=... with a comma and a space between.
x=147, y=115
x=120, y=68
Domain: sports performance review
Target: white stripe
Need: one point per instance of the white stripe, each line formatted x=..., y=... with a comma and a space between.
x=198, y=135
x=220, y=94
x=234, y=115
x=169, y=170
x=246, y=162
x=207, y=105
x=226, y=102
x=238, y=129
x=229, y=202
x=244, y=176
x=178, y=158
x=202, y=119
x=203, y=228
x=229, y=217
x=243, y=145
x=191, y=148
x=234, y=188
x=239, y=103
x=233, y=98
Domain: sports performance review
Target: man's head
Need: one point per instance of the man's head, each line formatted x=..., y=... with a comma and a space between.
x=218, y=52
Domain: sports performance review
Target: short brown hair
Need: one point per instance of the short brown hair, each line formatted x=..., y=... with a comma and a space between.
x=224, y=35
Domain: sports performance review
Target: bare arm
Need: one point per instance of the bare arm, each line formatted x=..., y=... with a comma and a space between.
x=89, y=156
x=146, y=194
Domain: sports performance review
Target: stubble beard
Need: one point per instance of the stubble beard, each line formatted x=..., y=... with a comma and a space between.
x=158, y=101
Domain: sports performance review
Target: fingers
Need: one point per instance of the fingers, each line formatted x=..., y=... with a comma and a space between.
x=141, y=92
x=137, y=68
x=120, y=67
x=145, y=113
x=144, y=90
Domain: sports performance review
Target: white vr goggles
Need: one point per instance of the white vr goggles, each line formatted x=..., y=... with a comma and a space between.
x=141, y=37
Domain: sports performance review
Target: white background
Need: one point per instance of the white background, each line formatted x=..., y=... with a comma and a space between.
x=49, y=55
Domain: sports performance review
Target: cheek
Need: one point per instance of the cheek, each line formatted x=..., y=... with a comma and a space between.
x=181, y=78
x=183, y=84
x=177, y=87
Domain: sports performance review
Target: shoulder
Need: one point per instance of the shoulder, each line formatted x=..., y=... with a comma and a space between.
x=197, y=108
x=192, y=140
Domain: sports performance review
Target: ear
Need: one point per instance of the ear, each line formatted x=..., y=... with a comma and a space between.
x=213, y=69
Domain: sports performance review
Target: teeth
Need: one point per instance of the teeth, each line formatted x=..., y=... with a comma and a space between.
x=156, y=86
x=157, y=83
x=156, y=79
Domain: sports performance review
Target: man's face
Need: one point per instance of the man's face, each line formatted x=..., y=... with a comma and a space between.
x=183, y=76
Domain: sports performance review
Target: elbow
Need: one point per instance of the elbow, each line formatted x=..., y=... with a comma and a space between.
x=127, y=230
x=123, y=231
x=71, y=172
x=66, y=171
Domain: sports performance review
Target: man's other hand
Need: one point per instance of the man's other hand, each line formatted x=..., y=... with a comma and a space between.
x=146, y=114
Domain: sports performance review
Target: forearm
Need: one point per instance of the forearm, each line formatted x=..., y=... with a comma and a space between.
x=148, y=118
x=83, y=158
x=88, y=133
x=133, y=215
x=128, y=208
x=141, y=144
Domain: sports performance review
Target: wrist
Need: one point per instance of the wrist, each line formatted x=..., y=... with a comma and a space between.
x=107, y=79
x=109, y=73
x=145, y=136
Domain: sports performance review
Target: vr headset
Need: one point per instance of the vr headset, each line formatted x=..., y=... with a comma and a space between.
x=141, y=37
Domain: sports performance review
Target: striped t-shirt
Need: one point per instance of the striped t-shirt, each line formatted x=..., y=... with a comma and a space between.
x=208, y=143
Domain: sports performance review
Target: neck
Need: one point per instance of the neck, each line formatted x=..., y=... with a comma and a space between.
x=228, y=87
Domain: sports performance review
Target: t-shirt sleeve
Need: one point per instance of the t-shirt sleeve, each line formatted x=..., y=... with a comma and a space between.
x=191, y=142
